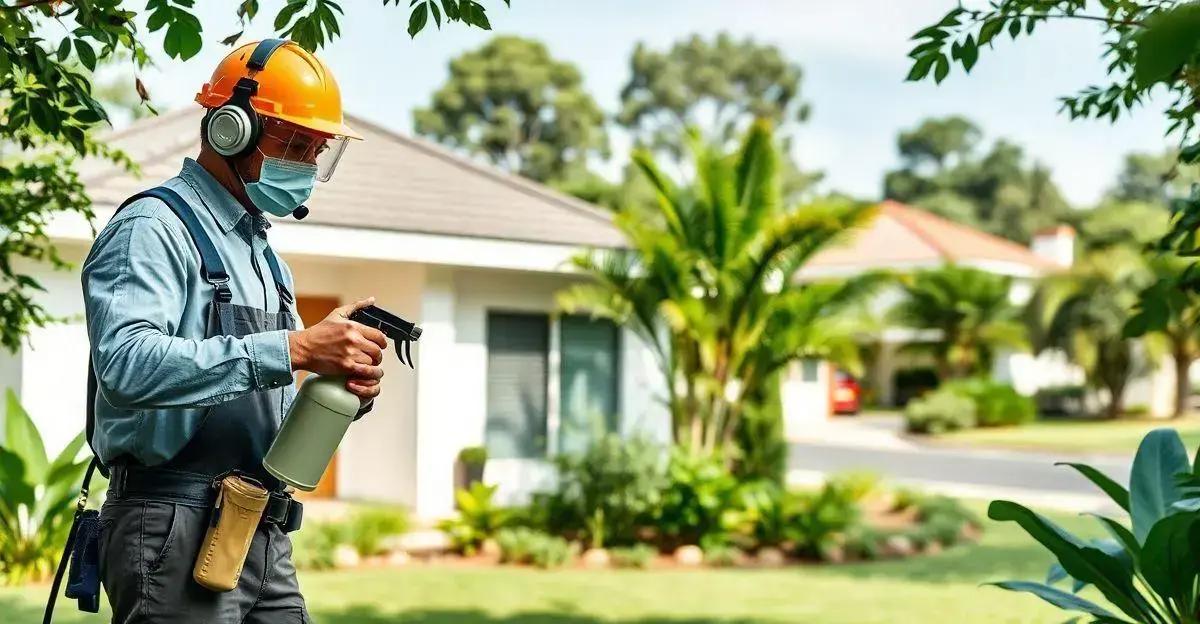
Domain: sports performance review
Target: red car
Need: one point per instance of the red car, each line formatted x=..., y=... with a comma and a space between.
x=847, y=394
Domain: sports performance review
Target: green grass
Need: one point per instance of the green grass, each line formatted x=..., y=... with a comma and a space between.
x=1118, y=436
x=942, y=588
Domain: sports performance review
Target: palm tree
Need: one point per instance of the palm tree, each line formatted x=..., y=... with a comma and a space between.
x=969, y=309
x=1084, y=313
x=709, y=282
x=1170, y=308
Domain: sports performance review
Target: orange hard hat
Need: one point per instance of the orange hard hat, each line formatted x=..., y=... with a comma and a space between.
x=294, y=86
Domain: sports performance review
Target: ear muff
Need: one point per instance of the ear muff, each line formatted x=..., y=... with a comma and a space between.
x=233, y=128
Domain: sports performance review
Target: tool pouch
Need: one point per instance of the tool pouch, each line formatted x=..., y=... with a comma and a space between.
x=83, y=579
x=235, y=516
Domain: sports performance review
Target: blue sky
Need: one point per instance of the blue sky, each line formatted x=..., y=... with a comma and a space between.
x=852, y=51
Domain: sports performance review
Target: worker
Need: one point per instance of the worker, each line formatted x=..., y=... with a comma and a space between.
x=195, y=341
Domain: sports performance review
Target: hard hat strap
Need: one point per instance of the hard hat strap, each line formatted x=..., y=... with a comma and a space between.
x=263, y=51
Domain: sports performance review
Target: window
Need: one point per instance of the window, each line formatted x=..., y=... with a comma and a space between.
x=589, y=375
x=520, y=421
x=517, y=363
x=809, y=370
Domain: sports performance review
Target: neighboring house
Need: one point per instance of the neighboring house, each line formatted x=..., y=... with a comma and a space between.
x=475, y=257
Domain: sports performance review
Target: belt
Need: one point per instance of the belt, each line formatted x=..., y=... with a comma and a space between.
x=190, y=488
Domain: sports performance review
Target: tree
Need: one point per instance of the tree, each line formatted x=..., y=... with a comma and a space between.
x=517, y=106
x=1156, y=178
x=709, y=283
x=1084, y=312
x=996, y=191
x=1181, y=329
x=969, y=309
x=51, y=113
x=718, y=86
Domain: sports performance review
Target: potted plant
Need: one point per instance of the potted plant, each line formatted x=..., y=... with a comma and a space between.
x=468, y=469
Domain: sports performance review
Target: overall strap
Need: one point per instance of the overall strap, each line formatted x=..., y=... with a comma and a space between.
x=211, y=266
x=277, y=275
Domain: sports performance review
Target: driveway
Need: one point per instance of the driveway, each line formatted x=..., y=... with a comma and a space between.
x=873, y=443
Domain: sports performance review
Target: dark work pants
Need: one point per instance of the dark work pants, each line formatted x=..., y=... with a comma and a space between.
x=147, y=551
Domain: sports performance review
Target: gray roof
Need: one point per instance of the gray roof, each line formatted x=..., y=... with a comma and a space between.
x=389, y=181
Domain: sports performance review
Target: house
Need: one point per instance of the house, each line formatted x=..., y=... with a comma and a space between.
x=475, y=256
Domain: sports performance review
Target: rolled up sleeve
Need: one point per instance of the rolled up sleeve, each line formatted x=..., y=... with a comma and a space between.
x=135, y=283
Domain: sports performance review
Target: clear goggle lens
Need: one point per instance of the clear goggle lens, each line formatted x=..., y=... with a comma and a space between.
x=286, y=142
x=328, y=158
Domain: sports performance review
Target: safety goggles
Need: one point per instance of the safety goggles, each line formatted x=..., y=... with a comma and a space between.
x=283, y=140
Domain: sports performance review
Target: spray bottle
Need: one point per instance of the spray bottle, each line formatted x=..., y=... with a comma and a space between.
x=324, y=408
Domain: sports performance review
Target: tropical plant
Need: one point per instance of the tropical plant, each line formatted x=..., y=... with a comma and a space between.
x=1147, y=569
x=709, y=282
x=824, y=517
x=996, y=404
x=315, y=547
x=37, y=497
x=368, y=528
x=1173, y=313
x=524, y=545
x=606, y=492
x=970, y=310
x=478, y=518
x=637, y=556
x=1084, y=312
x=699, y=490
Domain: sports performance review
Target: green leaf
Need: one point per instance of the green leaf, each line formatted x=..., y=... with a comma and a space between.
x=451, y=9
x=1115, y=491
x=1168, y=40
x=285, y=15
x=417, y=19
x=1084, y=563
x=87, y=55
x=941, y=69
x=1153, y=487
x=1168, y=559
x=921, y=67
x=1014, y=28
x=970, y=53
x=990, y=29
x=187, y=39
x=1122, y=535
x=1056, y=597
x=1190, y=153
x=21, y=437
x=64, y=49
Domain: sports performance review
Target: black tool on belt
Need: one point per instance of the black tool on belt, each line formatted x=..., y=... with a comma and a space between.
x=403, y=332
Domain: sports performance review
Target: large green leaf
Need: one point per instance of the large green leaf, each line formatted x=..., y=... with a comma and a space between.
x=1168, y=40
x=1122, y=535
x=1115, y=491
x=1085, y=563
x=21, y=437
x=1168, y=559
x=1058, y=598
x=1153, y=483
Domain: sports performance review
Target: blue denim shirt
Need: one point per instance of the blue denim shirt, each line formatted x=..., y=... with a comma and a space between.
x=147, y=317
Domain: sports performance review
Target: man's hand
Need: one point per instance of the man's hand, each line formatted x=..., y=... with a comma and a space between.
x=339, y=346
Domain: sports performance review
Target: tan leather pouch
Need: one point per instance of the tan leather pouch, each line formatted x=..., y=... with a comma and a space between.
x=235, y=515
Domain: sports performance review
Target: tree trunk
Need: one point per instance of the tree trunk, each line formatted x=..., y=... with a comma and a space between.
x=1116, y=400
x=1183, y=386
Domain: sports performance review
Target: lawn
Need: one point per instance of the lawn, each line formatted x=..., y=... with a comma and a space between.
x=942, y=588
x=1119, y=436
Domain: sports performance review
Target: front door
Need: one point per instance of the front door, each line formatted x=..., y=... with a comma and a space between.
x=312, y=310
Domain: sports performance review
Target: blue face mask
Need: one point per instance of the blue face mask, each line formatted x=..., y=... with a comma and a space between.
x=282, y=186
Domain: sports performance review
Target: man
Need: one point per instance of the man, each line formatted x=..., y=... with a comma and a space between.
x=194, y=342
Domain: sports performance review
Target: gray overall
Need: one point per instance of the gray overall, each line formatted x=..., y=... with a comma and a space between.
x=152, y=522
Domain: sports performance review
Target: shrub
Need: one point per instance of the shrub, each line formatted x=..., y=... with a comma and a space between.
x=37, y=498
x=699, y=490
x=478, y=519
x=473, y=456
x=636, y=556
x=760, y=514
x=606, y=492
x=722, y=556
x=996, y=404
x=939, y=412
x=524, y=545
x=314, y=546
x=368, y=528
x=823, y=518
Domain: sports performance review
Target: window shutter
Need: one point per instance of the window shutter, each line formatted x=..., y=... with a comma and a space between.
x=518, y=345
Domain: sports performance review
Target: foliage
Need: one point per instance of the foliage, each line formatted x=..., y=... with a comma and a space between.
x=722, y=556
x=939, y=412
x=315, y=547
x=637, y=556
x=1146, y=570
x=37, y=497
x=48, y=51
x=996, y=404
x=367, y=529
x=709, y=284
x=1084, y=312
x=825, y=516
x=606, y=492
x=473, y=455
x=522, y=545
x=1175, y=313
x=699, y=489
x=762, y=451
x=760, y=514
x=971, y=311
x=997, y=191
x=1154, y=178
x=521, y=109
x=719, y=86
x=478, y=518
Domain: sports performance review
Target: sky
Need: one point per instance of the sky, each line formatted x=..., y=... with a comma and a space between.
x=853, y=53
